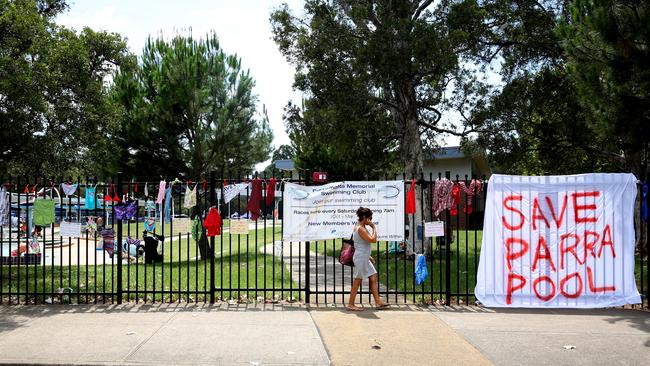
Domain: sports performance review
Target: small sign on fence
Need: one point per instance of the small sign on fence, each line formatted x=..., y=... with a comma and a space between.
x=239, y=227
x=70, y=229
x=434, y=229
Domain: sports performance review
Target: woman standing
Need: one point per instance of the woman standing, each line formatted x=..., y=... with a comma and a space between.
x=363, y=262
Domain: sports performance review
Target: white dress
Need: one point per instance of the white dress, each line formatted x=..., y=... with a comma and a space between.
x=363, y=268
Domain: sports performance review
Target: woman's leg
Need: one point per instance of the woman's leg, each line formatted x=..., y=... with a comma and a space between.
x=374, y=287
x=353, y=293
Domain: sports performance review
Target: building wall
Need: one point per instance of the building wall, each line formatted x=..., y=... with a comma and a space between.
x=460, y=167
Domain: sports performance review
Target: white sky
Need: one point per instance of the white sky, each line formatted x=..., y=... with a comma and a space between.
x=242, y=27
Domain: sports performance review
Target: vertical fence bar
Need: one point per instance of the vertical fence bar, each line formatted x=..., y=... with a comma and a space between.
x=119, y=244
x=212, y=204
x=647, y=238
x=307, y=261
x=447, y=254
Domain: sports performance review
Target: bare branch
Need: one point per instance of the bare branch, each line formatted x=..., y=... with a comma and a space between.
x=429, y=108
x=421, y=8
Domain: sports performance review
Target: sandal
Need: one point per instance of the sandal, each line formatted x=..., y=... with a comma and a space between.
x=383, y=307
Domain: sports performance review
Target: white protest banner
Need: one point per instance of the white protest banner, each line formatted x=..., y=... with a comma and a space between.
x=70, y=229
x=232, y=190
x=329, y=211
x=558, y=241
x=434, y=229
x=239, y=226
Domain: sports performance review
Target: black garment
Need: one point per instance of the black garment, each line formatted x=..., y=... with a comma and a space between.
x=151, y=250
x=204, y=247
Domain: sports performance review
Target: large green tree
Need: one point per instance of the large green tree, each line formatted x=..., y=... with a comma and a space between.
x=189, y=108
x=55, y=113
x=374, y=73
x=574, y=97
x=607, y=43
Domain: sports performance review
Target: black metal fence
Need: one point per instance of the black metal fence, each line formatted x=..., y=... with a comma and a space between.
x=169, y=263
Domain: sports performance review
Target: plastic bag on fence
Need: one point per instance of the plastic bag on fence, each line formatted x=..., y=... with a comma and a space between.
x=421, y=272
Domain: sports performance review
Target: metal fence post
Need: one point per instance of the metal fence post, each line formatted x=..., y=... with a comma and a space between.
x=647, y=247
x=119, y=244
x=447, y=253
x=307, y=260
x=212, y=204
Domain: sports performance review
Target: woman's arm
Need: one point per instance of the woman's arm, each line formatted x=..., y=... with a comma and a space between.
x=370, y=238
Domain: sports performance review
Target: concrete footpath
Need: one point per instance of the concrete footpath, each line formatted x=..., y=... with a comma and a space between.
x=294, y=334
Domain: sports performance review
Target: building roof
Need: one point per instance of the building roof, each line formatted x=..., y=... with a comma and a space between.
x=447, y=152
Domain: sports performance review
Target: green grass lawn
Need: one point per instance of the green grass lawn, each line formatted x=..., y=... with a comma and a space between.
x=238, y=266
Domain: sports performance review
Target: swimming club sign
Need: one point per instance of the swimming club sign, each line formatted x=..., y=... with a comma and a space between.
x=329, y=211
x=558, y=241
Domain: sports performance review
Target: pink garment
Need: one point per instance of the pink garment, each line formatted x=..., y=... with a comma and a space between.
x=161, y=192
x=442, y=197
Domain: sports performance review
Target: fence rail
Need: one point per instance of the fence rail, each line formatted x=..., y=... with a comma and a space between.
x=38, y=265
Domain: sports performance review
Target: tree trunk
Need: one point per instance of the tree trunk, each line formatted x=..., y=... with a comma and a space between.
x=406, y=118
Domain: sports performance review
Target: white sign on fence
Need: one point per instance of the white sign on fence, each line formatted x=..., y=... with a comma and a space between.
x=434, y=229
x=558, y=241
x=239, y=226
x=329, y=211
x=70, y=229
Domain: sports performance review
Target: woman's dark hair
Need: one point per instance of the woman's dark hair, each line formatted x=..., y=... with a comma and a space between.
x=363, y=212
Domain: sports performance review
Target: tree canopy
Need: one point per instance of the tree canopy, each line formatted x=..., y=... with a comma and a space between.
x=54, y=105
x=374, y=74
x=189, y=108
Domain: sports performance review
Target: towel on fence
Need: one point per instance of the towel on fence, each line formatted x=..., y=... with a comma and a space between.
x=44, y=212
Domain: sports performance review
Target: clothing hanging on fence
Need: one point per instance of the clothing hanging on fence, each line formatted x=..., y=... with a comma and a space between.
x=91, y=199
x=44, y=212
x=442, y=199
x=256, y=197
x=197, y=228
x=115, y=198
x=270, y=191
x=475, y=187
x=644, y=201
x=130, y=246
x=69, y=189
x=455, y=195
x=4, y=207
x=126, y=210
x=410, y=199
x=151, y=254
x=150, y=216
x=190, y=196
x=168, y=203
x=213, y=222
x=421, y=272
x=161, y=192
x=91, y=225
x=108, y=239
